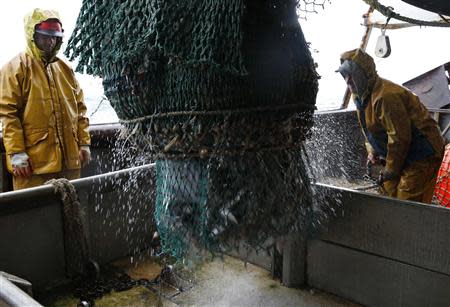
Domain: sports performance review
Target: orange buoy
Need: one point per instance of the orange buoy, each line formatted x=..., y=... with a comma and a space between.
x=442, y=188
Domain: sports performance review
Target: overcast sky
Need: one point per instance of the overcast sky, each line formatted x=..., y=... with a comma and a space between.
x=331, y=31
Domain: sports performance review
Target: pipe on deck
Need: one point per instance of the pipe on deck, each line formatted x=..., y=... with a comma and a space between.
x=13, y=201
x=13, y=296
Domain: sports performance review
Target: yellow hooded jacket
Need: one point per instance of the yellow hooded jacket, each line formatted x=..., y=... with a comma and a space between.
x=41, y=106
x=392, y=113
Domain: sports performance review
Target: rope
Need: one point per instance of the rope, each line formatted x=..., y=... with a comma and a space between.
x=389, y=13
x=98, y=106
x=220, y=112
x=75, y=241
x=306, y=7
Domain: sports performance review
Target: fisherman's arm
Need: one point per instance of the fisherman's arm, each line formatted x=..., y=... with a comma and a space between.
x=11, y=100
x=395, y=120
x=371, y=153
x=84, y=138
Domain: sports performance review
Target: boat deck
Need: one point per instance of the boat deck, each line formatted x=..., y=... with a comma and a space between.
x=221, y=282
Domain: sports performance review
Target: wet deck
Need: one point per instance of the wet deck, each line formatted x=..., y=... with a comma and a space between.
x=231, y=283
x=227, y=282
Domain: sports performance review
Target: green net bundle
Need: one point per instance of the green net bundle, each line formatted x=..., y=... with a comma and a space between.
x=221, y=95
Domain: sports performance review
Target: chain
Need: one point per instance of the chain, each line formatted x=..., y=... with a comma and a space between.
x=89, y=291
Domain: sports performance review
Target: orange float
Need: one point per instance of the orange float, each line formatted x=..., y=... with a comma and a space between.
x=442, y=188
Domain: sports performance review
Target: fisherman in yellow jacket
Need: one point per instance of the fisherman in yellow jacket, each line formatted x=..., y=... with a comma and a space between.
x=397, y=127
x=45, y=128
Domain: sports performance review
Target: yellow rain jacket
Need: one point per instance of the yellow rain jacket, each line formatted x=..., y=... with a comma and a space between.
x=41, y=106
x=398, y=127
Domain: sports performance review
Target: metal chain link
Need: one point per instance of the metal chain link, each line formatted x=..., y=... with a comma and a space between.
x=87, y=291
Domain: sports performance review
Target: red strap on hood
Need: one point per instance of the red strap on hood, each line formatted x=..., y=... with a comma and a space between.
x=50, y=25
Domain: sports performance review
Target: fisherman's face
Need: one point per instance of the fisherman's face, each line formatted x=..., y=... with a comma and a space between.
x=46, y=43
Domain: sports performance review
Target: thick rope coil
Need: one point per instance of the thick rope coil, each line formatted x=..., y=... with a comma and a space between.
x=75, y=241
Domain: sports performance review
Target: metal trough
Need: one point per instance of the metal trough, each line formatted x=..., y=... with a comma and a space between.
x=376, y=251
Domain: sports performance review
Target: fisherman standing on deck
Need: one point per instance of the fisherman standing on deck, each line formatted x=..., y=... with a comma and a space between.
x=397, y=127
x=45, y=129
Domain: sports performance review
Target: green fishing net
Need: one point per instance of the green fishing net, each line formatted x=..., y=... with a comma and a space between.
x=221, y=95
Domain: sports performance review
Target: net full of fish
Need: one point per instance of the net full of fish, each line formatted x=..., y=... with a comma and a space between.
x=221, y=95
